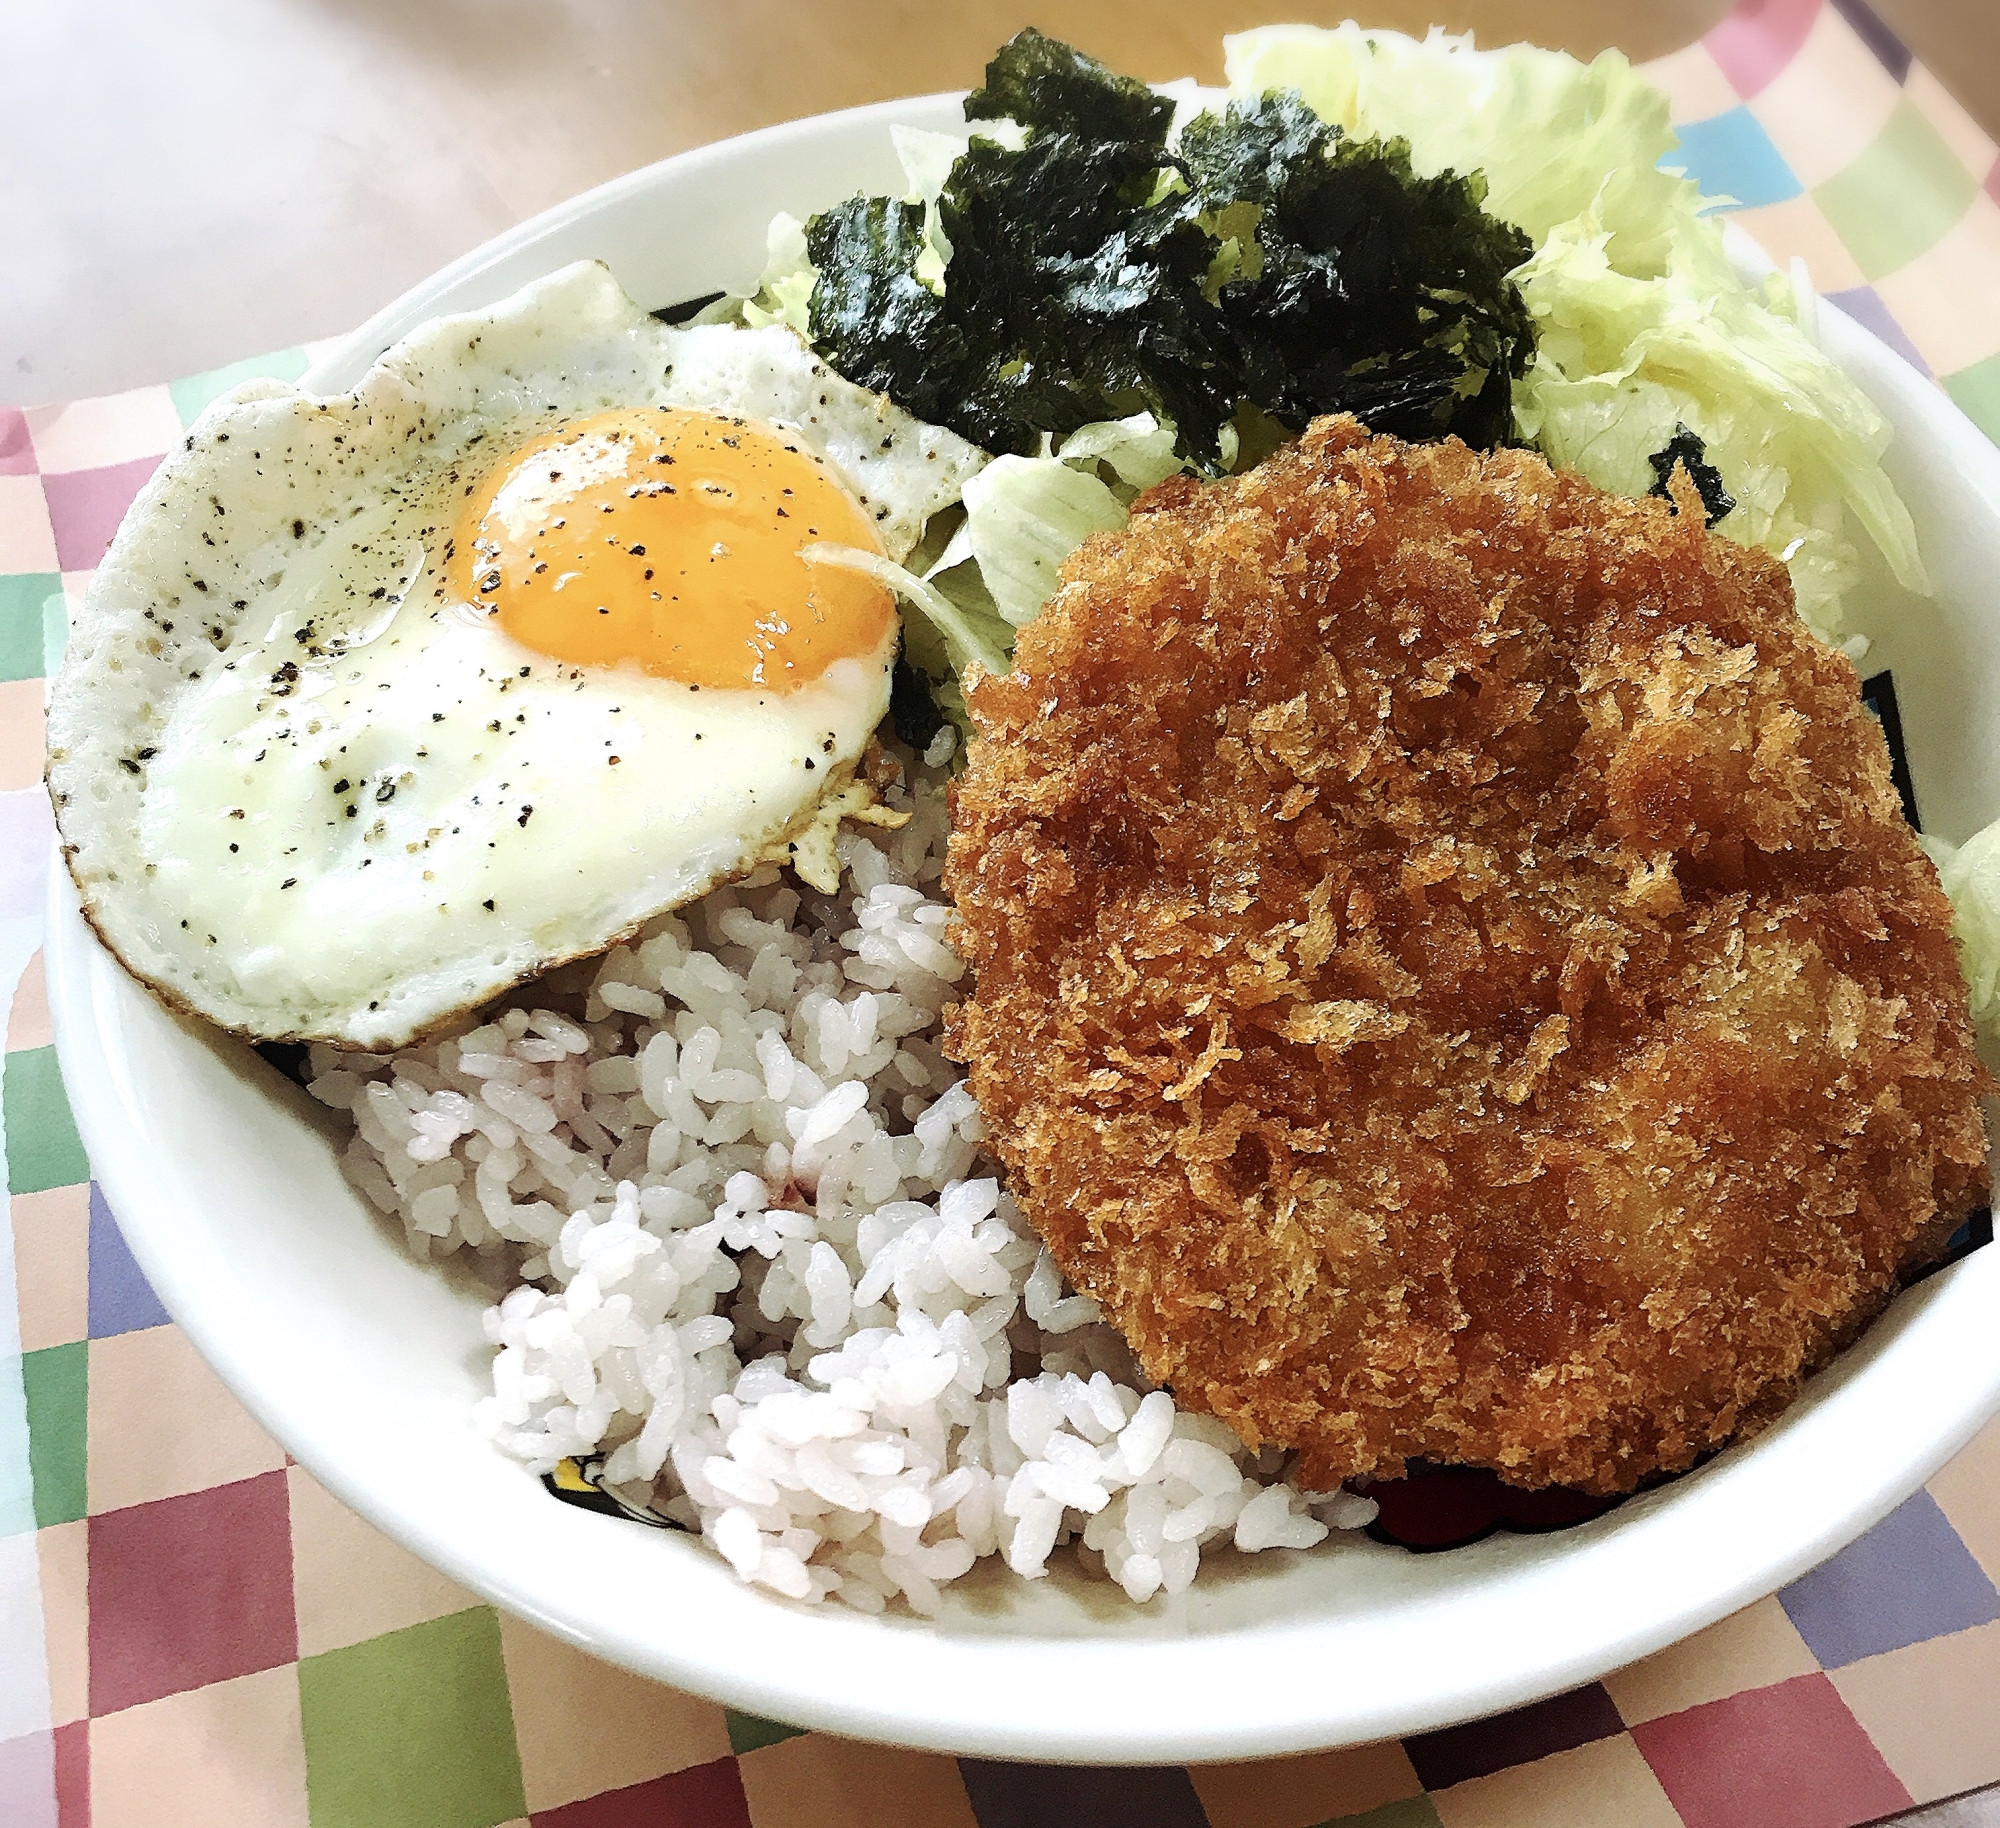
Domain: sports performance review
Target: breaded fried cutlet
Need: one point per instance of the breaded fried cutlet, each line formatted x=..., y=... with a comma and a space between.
x=1453, y=979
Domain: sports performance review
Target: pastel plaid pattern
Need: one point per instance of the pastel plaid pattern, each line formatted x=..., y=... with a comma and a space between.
x=192, y=1631
x=1840, y=149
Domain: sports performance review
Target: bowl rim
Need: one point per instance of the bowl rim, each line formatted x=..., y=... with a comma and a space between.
x=1753, y=1519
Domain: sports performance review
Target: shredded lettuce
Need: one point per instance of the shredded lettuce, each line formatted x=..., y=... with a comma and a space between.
x=963, y=637
x=784, y=293
x=1642, y=325
x=1621, y=362
x=1023, y=517
x=927, y=159
x=1135, y=452
x=1970, y=873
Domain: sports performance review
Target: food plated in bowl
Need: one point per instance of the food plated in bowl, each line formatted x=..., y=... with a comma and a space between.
x=389, y=1436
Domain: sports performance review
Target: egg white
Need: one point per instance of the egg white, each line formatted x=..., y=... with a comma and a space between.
x=307, y=792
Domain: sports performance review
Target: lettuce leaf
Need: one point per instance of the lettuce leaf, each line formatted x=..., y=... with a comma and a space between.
x=927, y=159
x=965, y=634
x=1023, y=517
x=1128, y=454
x=784, y=292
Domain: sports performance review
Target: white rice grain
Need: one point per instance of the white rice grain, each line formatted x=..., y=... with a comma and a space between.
x=760, y=1266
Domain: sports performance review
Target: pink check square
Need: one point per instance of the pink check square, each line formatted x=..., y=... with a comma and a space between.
x=85, y=507
x=17, y=448
x=189, y=1591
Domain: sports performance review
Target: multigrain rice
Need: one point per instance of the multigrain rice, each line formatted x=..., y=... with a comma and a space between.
x=761, y=1269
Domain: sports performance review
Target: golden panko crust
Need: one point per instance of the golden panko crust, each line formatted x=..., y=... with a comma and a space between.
x=1453, y=979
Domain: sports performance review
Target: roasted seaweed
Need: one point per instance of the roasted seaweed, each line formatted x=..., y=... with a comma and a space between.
x=1685, y=447
x=1376, y=291
x=1264, y=262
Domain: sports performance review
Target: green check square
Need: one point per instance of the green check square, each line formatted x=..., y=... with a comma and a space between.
x=56, y=1383
x=43, y=1150
x=55, y=632
x=193, y=394
x=22, y=595
x=747, y=1733
x=1900, y=196
x=1977, y=392
x=413, y=1729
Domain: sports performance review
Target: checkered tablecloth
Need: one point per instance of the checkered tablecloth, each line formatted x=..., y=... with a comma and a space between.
x=193, y=1632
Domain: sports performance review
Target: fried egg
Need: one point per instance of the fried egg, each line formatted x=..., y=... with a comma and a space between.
x=385, y=702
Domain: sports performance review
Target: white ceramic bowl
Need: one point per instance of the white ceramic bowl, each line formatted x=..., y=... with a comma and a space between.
x=366, y=1363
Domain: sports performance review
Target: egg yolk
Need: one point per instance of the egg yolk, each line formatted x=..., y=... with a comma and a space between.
x=673, y=538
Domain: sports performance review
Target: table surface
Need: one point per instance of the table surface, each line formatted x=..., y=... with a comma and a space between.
x=182, y=186
x=247, y=177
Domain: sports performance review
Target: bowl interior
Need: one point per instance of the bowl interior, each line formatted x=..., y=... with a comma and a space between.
x=365, y=1363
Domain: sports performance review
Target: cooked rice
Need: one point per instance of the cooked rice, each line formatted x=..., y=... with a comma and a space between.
x=762, y=1270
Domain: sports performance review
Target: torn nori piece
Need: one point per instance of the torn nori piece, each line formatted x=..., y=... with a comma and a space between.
x=1686, y=447
x=1094, y=274
x=1879, y=695
x=1975, y=1234
x=912, y=709
x=1376, y=292
x=289, y=1057
x=687, y=308
x=1044, y=83
x=872, y=318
